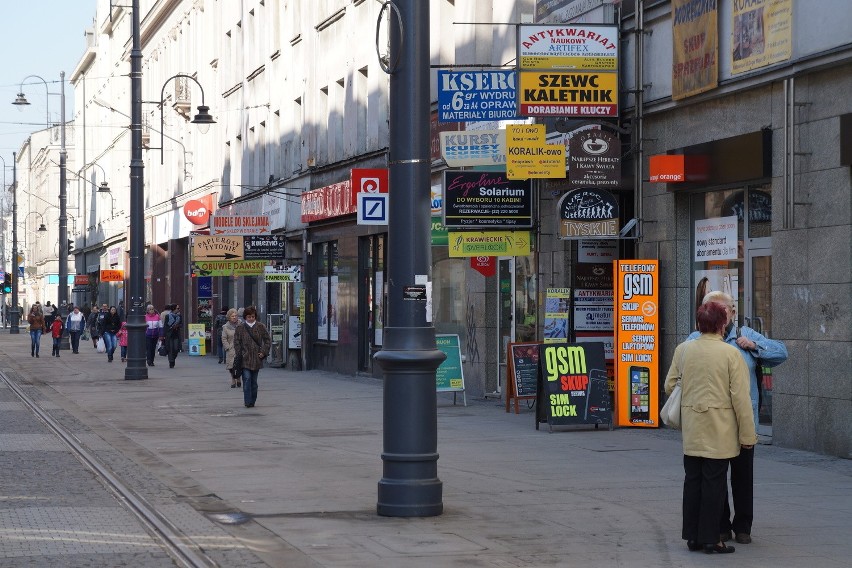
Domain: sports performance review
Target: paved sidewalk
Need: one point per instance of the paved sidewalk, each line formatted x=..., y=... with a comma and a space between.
x=304, y=464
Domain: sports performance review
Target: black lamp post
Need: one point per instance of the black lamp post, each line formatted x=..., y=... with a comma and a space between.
x=21, y=100
x=136, y=368
x=409, y=357
x=14, y=312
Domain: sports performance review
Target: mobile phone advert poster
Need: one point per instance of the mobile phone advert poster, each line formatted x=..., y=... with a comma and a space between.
x=637, y=341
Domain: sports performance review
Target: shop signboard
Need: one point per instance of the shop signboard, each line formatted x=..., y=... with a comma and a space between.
x=589, y=317
x=763, y=34
x=588, y=213
x=489, y=243
x=481, y=200
x=228, y=267
x=267, y=247
x=568, y=46
x=81, y=280
x=472, y=96
x=327, y=202
x=594, y=159
x=557, y=302
x=528, y=155
x=695, y=48
x=238, y=247
x=286, y=273
x=240, y=224
x=477, y=148
x=562, y=94
x=637, y=339
x=112, y=276
x=196, y=340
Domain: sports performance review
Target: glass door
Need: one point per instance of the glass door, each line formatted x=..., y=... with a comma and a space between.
x=518, y=306
x=758, y=313
x=505, y=329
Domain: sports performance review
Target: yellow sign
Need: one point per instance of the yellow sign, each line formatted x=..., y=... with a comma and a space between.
x=196, y=339
x=490, y=243
x=763, y=34
x=695, y=66
x=528, y=156
x=112, y=276
x=568, y=94
x=228, y=267
x=217, y=247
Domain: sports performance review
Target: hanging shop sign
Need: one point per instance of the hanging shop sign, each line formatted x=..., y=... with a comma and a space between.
x=266, y=247
x=228, y=267
x=695, y=48
x=112, y=276
x=369, y=180
x=217, y=247
x=677, y=168
x=472, y=96
x=286, y=273
x=763, y=34
x=476, y=148
x=637, y=340
x=594, y=159
x=588, y=213
x=556, y=314
x=528, y=155
x=489, y=243
x=568, y=94
x=240, y=224
x=550, y=11
x=485, y=265
x=573, y=385
x=81, y=280
x=477, y=200
x=198, y=211
x=568, y=46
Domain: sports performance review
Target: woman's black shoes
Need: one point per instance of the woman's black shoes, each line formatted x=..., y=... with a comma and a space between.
x=693, y=546
x=718, y=549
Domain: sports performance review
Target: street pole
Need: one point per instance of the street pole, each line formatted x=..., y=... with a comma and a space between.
x=14, y=313
x=136, y=360
x=409, y=357
x=63, y=215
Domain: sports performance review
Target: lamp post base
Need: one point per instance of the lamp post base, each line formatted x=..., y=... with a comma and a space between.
x=14, y=320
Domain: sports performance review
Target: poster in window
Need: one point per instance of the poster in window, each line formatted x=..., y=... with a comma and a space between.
x=332, y=310
x=322, y=308
x=378, y=315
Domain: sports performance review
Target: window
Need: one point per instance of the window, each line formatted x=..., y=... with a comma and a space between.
x=327, y=281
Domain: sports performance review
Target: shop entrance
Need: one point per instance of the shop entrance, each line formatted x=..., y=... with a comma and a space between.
x=745, y=274
x=517, y=301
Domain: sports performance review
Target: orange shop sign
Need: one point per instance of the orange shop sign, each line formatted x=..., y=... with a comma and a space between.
x=112, y=276
x=676, y=168
x=81, y=280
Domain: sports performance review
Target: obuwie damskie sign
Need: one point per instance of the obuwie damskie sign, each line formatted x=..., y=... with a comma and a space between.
x=480, y=200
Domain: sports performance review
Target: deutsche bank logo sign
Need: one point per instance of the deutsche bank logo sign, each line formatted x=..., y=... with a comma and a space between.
x=372, y=208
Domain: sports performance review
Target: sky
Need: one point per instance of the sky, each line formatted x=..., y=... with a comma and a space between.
x=39, y=37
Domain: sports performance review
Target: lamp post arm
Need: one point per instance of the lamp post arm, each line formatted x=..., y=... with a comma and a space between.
x=162, y=104
x=47, y=94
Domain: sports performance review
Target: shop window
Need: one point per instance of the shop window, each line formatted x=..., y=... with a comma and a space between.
x=327, y=283
x=449, y=295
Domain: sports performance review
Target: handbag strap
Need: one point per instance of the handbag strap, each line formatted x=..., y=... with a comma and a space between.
x=248, y=330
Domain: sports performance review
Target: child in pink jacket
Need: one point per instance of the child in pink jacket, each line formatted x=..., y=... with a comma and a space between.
x=122, y=341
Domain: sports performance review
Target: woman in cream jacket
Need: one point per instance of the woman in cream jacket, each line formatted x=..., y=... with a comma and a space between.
x=717, y=420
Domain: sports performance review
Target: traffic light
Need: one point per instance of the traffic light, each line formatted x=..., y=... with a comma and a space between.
x=70, y=245
x=7, y=283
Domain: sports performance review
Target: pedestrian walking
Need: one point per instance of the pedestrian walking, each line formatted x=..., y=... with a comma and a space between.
x=757, y=351
x=36, y=321
x=56, y=334
x=110, y=325
x=218, y=324
x=251, y=346
x=50, y=312
x=228, y=331
x=717, y=422
x=153, y=331
x=172, y=333
x=95, y=319
x=122, y=340
x=75, y=323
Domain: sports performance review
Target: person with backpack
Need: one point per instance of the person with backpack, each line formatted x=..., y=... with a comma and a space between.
x=172, y=333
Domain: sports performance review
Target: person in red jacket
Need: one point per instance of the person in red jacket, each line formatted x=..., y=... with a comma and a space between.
x=56, y=333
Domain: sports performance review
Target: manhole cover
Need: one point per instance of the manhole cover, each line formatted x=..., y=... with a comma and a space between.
x=230, y=518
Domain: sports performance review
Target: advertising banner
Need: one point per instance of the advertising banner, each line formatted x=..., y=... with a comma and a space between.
x=763, y=33
x=196, y=339
x=716, y=239
x=568, y=94
x=476, y=200
x=473, y=96
x=450, y=375
x=477, y=148
x=528, y=155
x=568, y=46
x=240, y=224
x=695, y=47
x=637, y=339
x=288, y=273
x=573, y=384
x=489, y=243
x=557, y=302
x=112, y=276
x=588, y=317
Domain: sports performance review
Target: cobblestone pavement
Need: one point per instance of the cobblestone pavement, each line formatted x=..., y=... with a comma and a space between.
x=293, y=481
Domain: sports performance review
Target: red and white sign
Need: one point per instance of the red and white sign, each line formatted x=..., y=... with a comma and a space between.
x=328, y=202
x=240, y=225
x=198, y=211
x=369, y=180
x=485, y=265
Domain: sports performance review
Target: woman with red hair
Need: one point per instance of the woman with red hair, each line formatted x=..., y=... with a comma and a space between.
x=717, y=420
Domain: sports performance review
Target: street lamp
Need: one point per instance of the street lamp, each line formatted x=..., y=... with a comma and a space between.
x=21, y=101
x=14, y=312
x=203, y=118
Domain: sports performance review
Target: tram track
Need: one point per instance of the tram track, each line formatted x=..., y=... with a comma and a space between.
x=176, y=543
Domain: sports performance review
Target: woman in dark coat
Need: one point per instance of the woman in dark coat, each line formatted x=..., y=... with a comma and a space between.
x=252, y=343
x=109, y=328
